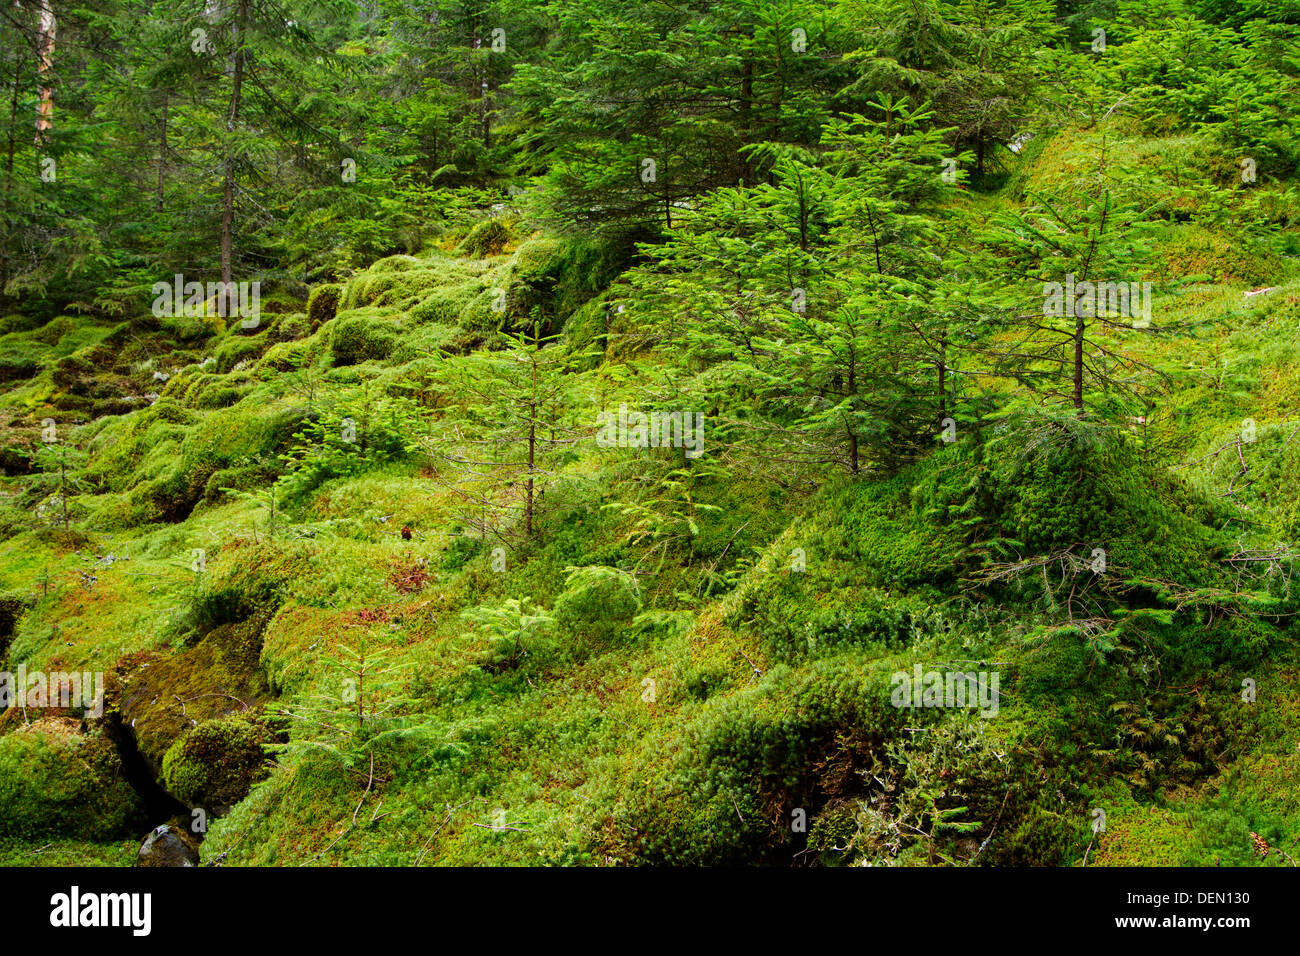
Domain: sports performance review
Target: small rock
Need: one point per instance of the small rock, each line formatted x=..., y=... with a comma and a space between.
x=167, y=845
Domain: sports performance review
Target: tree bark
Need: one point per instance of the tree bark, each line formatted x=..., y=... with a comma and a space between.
x=943, y=377
x=1079, y=328
x=162, y=158
x=232, y=120
x=9, y=178
x=853, y=391
x=48, y=27
x=532, y=454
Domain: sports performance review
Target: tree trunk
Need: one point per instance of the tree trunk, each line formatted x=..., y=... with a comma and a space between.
x=232, y=120
x=532, y=443
x=48, y=27
x=162, y=159
x=747, y=116
x=9, y=178
x=853, y=390
x=943, y=377
x=1079, y=328
x=803, y=216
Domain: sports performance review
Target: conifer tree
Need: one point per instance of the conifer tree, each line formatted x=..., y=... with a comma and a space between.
x=1083, y=253
x=509, y=416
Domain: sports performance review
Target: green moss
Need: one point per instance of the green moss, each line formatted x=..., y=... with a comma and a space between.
x=285, y=357
x=1220, y=255
x=1044, y=837
x=323, y=304
x=67, y=853
x=358, y=338
x=53, y=782
x=170, y=454
x=117, y=512
x=397, y=282
x=216, y=677
x=281, y=302
x=216, y=763
x=598, y=604
x=19, y=322
x=487, y=238
x=768, y=632
x=240, y=349
x=444, y=306
x=747, y=758
x=289, y=327
x=424, y=341
x=241, y=478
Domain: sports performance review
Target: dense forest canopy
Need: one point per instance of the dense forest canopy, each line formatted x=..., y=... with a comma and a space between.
x=796, y=432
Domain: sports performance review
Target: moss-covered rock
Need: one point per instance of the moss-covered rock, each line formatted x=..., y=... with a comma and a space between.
x=444, y=306
x=165, y=698
x=238, y=349
x=323, y=304
x=285, y=357
x=14, y=366
x=166, y=455
x=215, y=764
x=57, y=780
x=289, y=327
x=488, y=238
x=361, y=338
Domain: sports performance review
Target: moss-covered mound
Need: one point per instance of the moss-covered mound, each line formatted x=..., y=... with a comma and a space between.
x=165, y=698
x=214, y=765
x=55, y=779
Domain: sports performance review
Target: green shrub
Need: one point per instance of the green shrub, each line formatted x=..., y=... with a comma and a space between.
x=598, y=603
x=360, y=431
x=514, y=631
